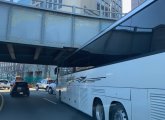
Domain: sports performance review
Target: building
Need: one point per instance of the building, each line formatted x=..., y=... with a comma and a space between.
x=10, y=70
x=47, y=3
x=30, y=73
x=136, y=3
x=105, y=8
x=34, y=73
x=25, y=2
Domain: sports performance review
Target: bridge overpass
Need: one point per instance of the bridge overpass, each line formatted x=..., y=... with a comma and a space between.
x=43, y=36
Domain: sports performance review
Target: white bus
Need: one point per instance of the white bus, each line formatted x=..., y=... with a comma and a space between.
x=120, y=74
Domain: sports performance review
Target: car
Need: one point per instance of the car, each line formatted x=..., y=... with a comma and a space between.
x=20, y=88
x=12, y=83
x=17, y=79
x=4, y=84
x=43, y=84
x=51, y=88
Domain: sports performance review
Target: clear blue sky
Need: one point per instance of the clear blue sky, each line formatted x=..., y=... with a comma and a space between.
x=126, y=6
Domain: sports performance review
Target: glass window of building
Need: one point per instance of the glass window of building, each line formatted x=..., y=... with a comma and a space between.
x=98, y=6
x=60, y=2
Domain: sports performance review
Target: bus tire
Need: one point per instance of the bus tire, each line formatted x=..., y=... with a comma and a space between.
x=50, y=90
x=47, y=89
x=118, y=112
x=98, y=111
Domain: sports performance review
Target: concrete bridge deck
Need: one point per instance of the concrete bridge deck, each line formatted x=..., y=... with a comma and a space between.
x=42, y=36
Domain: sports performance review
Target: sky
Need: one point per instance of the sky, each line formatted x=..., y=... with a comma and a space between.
x=126, y=6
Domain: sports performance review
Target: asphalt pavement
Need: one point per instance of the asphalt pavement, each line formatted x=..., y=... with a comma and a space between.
x=38, y=106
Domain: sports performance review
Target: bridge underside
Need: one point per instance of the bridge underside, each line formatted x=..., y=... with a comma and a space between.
x=32, y=54
x=41, y=36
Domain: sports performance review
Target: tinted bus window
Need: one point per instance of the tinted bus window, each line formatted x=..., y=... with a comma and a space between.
x=149, y=25
x=140, y=34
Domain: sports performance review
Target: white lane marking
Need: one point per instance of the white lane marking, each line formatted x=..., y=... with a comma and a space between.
x=49, y=101
x=2, y=104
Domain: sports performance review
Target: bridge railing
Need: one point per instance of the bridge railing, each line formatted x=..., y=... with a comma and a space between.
x=74, y=10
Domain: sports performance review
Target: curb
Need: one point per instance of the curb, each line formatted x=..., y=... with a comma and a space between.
x=1, y=106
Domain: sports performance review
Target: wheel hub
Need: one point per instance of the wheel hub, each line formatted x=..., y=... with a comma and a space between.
x=120, y=115
x=99, y=113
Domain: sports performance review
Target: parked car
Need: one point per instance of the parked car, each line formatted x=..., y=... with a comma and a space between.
x=20, y=88
x=52, y=88
x=4, y=84
x=44, y=84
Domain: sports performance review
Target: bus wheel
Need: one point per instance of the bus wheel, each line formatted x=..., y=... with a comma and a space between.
x=117, y=112
x=98, y=111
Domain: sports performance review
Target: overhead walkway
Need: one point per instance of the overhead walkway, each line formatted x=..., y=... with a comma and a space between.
x=44, y=36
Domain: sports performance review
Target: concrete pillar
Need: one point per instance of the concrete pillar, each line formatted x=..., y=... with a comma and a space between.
x=45, y=71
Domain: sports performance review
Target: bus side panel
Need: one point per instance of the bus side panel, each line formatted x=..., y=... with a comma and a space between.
x=69, y=95
x=74, y=97
x=111, y=94
x=86, y=102
x=121, y=93
x=85, y=99
x=156, y=104
x=79, y=97
x=65, y=96
x=140, y=110
x=107, y=103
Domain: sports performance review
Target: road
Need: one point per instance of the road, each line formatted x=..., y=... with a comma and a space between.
x=39, y=106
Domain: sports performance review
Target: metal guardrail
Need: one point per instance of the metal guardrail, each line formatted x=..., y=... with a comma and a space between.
x=73, y=9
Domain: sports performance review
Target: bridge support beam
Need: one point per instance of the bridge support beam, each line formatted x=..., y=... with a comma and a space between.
x=11, y=51
x=37, y=53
